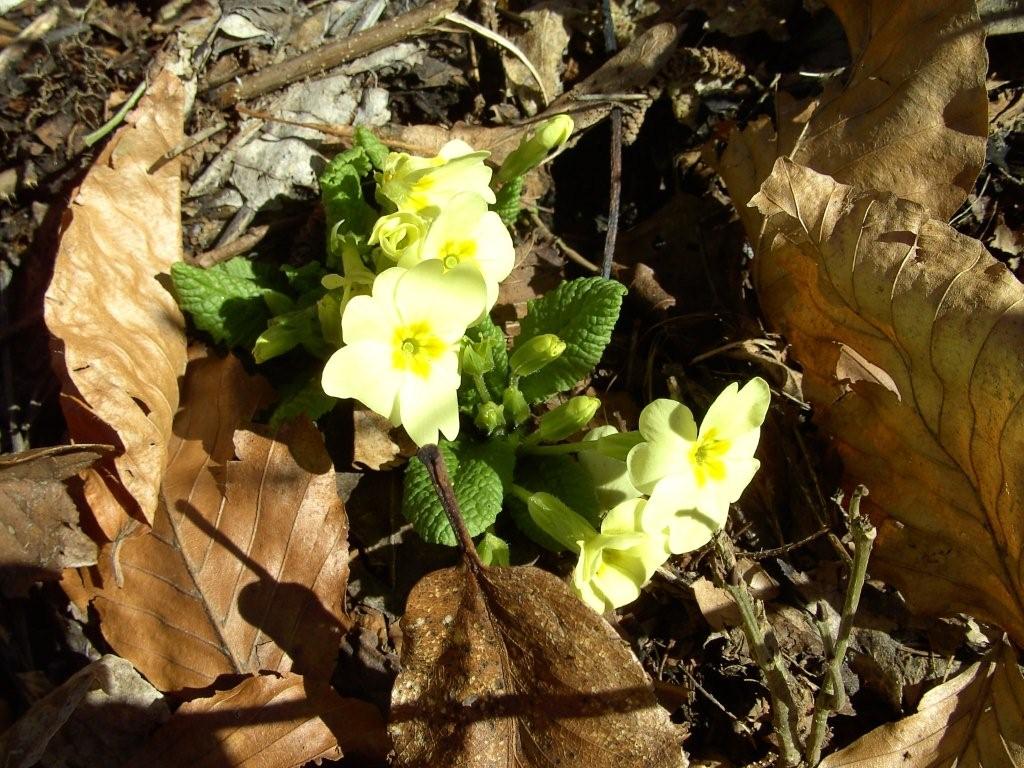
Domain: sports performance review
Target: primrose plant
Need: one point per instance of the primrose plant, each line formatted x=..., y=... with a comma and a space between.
x=396, y=315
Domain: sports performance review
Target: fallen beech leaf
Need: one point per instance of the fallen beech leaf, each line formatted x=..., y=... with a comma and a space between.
x=976, y=720
x=120, y=336
x=911, y=339
x=39, y=533
x=376, y=443
x=910, y=118
x=506, y=667
x=267, y=721
x=97, y=717
x=246, y=565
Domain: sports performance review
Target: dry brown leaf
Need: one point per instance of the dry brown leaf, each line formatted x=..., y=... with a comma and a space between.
x=506, y=667
x=39, y=533
x=246, y=566
x=912, y=341
x=268, y=721
x=97, y=717
x=120, y=338
x=910, y=117
x=544, y=42
x=976, y=720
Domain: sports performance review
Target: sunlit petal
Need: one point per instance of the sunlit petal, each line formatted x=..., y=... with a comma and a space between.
x=363, y=371
x=737, y=410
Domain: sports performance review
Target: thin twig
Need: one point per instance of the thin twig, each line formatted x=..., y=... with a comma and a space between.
x=768, y=658
x=777, y=551
x=615, y=193
x=100, y=133
x=571, y=253
x=432, y=460
x=184, y=146
x=505, y=43
x=235, y=248
x=832, y=694
x=338, y=52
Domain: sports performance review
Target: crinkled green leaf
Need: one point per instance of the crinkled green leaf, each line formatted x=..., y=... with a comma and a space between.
x=562, y=477
x=374, y=148
x=479, y=472
x=508, y=201
x=287, y=331
x=496, y=379
x=582, y=313
x=307, y=399
x=227, y=299
x=345, y=209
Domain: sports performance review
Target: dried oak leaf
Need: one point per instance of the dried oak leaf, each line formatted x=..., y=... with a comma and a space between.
x=976, y=720
x=912, y=342
x=910, y=117
x=97, y=717
x=39, y=533
x=119, y=336
x=267, y=721
x=506, y=667
x=246, y=565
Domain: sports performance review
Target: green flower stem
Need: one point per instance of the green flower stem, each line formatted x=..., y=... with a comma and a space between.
x=768, y=657
x=529, y=445
x=481, y=387
x=521, y=493
x=832, y=694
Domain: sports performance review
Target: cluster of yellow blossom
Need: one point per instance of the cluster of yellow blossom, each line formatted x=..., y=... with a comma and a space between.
x=440, y=254
x=668, y=487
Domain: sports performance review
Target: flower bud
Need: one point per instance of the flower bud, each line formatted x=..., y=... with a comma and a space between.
x=567, y=419
x=552, y=134
x=515, y=406
x=489, y=416
x=475, y=357
x=398, y=234
x=493, y=550
x=558, y=521
x=535, y=354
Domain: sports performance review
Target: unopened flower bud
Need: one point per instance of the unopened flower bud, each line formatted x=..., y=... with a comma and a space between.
x=552, y=134
x=475, y=358
x=559, y=521
x=535, y=354
x=567, y=419
x=489, y=416
x=515, y=406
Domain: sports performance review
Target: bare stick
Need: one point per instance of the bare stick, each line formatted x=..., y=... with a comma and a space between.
x=768, y=658
x=615, y=194
x=331, y=55
x=235, y=248
x=832, y=694
x=432, y=460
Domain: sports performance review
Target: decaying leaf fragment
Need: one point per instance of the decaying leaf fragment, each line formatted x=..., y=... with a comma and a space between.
x=246, y=565
x=119, y=336
x=39, y=533
x=976, y=720
x=910, y=117
x=912, y=342
x=95, y=718
x=267, y=721
x=506, y=667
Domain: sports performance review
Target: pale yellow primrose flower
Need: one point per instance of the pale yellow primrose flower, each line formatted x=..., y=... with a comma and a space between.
x=609, y=474
x=425, y=185
x=616, y=563
x=692, y=476
x=398, y=234
x=400, y=357
x=466, y=233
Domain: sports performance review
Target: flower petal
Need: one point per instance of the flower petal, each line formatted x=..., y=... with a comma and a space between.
x=665, y=420
x=498, y=254
x=648, y=463
x=366, y=319
x=450, y=301
x=738, y=411
x=363, y=371
x=616, y=586
x=610, y=476
x=428, y=405
x=673, y=504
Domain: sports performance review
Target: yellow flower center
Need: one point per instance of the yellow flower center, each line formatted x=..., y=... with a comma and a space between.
x=706, y=456
x=416, y=348
x=455, y=252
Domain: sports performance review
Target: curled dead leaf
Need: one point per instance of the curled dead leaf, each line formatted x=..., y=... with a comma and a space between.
x=120, y=338
x=39, y=533
x=246, y=566
x=506, y=667
x=975, y=720
x=930, y=417
x=267, y=721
